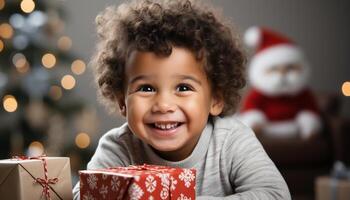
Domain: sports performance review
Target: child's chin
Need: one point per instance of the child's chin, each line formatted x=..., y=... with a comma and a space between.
x=165, y=148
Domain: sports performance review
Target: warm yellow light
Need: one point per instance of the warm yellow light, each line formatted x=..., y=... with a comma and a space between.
x=2, y=4
x=56, y=92
x=1, y=44
x=78, y=67
x=35, y=149
x=68, y=82
x=346, y=88
x=23, y=69
x=64, y=43
x=6, y=30
x=10, y=103
x=82, y=140
x=27, y=6
x=48, y=60
x=20, y=62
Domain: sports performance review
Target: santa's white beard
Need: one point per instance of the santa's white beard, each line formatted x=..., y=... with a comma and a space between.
x=275, y=84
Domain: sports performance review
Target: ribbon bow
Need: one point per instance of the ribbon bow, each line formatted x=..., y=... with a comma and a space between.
x=44, y=182
x=340, y=171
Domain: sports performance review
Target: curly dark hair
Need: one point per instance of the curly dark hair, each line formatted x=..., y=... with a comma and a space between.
x=157, y=26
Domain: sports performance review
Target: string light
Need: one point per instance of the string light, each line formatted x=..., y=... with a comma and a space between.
x=64, y=43
x=48, y=60
x=68, y=82
x=82, y=140
x=346, y=88
x=78, y=67
x=27, y=6
x=10, y=103
x=2, y=4
x=6, y=30
x=1, y=44
x=20, y=62
x=55, y=92
x=35, y=149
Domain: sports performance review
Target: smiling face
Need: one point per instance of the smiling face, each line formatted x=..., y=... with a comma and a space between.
x=168, y=101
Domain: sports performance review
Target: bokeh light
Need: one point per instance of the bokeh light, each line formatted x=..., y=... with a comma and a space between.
x=10, y=103
x=48, y=60
x=27, y=6
x=64, y=43
x=78, y=67
x=6, y=31
x=1, y=45
x=35, y=149
x=55, y=92
x=20, y=62
x=2, y=4
x=346, y=88
x=68, y=82
x=82, y=140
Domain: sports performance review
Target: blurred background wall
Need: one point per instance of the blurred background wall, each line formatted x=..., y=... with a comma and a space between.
x=321, y=28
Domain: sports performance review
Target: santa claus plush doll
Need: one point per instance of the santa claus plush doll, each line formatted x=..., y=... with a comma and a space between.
x=279, y=103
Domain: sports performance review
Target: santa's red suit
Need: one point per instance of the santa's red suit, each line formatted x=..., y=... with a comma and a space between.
x=279, y=102
x=280, y=108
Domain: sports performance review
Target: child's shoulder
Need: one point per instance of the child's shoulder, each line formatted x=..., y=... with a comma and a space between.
x=233, y=137
x=117, y=134
x=230, y=124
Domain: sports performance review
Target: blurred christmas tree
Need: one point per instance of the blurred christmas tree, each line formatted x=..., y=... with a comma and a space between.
x=39, y=111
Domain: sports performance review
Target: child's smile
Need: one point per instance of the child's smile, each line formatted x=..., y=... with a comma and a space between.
x=168, y=101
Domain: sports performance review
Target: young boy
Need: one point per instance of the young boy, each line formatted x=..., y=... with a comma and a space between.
x=175, y=70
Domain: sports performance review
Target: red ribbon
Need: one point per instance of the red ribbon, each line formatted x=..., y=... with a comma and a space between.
x=144, y=167
x=44, y=182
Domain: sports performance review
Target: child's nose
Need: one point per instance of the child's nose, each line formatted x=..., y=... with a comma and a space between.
x=163, y=104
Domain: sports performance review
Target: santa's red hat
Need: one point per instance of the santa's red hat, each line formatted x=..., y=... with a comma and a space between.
x=271, y=48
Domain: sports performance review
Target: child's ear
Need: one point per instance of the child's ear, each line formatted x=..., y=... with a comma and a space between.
x=122, y=106
x=217, y=105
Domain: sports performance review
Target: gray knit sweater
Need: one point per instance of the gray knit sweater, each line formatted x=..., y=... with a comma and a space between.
x=230, y=161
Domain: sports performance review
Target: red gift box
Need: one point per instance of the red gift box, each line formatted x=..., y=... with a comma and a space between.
x=144, y=182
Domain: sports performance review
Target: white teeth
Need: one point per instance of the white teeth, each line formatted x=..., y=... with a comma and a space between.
x=166, y=126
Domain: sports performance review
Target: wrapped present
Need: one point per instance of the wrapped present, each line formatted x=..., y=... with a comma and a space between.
x=34, y=178
x=335, y=187
x=144, y=182
x=328, y=188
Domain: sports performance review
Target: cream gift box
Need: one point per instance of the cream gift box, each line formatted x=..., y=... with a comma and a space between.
x=24, y=178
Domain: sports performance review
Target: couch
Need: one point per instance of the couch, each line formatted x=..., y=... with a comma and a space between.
x=301, y=161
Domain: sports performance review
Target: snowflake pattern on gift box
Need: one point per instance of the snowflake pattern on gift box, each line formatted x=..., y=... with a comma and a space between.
x=150, y=183
x=164, y=180
x=135, y=192
x=183, y=197
x=92, y=181
x=173, y=183
x=187, y=176
x=104, y=191
x=164, y=193
x=88, y=196
x=115, y=183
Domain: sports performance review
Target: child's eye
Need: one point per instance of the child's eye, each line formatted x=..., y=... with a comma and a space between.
x=146, y=88
x=183, y=88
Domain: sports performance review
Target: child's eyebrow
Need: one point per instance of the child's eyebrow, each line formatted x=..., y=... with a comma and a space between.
x=184, y=77
x=140, y=77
